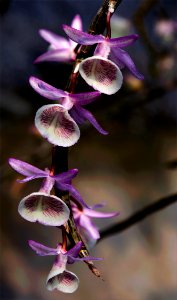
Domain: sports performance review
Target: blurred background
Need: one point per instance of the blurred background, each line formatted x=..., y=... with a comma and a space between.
x=133, y=166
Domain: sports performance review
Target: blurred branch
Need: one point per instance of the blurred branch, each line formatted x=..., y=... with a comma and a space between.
x=138, y=216
x=139, y=22
x=138, y=19
x=171, y=165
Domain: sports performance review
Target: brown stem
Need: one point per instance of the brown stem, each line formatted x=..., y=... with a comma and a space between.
x=108, y=26
x=64, y=239
x=138, y=216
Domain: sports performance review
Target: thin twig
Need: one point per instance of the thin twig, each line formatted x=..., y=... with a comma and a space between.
x=138, y=216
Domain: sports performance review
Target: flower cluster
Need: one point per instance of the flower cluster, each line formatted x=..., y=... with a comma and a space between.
x=58, y=123
x=49, y=210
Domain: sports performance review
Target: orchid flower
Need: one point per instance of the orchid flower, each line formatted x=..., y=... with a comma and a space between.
x=86, y=227
x=63, y=180
x=98, y=71
x=54, y=122
x=60, y=49
x=59, y=278
x=40, y=206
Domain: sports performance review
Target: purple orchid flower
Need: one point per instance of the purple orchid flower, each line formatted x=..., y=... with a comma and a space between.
x=54, y=121
x=59, y=278
x=60, y=49
x=107, y=46
x=98, y=71
x=62, y=180
x=86, y=227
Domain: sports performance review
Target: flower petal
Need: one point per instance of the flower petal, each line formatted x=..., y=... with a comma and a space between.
x=43, y=208
x=61, y=55
x=26, y=169
x=88, y=258
x=84, y=98
x=126, y=60
x=102, y=74
x=77, y=22
x=74, y=251
x=74, y=193
x=98, y=214
x=88, y=240
x=66, y=282
x=74, y=113
x=88, y=116
x=41, y=249
x=30, y=178
x=66, y=176
x=123, y=41
x=59, y=266
x=55, y=124
x=89, y=226
x=46, y=90
x=55, y=40
x=81, y=37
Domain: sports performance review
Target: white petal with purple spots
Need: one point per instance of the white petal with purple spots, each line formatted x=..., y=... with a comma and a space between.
x=43, y=208
x=55, y=124
x=102, y=74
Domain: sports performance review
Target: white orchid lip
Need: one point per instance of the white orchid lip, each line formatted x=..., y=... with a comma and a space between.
x=56, y=125
x=44, y=208
x=102, y=74
x=66, y=282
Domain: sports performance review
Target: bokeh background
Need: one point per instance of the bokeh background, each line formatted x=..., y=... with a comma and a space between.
x=131, y=167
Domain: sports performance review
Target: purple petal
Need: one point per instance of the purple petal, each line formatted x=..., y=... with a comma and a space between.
x=89, y=241
x=66, y=176
x=88, y=258
x=89, y=226
x=88, y=116
x=74, y=193
x=98, y=214
x=123, y=41
x=124, y=57
x=59, y=266
x=41, y=249
x=81, y=37
x=74, y=251
x=26, y=169
x=77, y=22
x=102, y=74
x=47, y=185
x=30, y=178
x=84, y=98
x=75, y=114
x=43, y=208
x=99, y=205
x=102, y=49
x=55, y=124
x=55, y=40
x=46, y=90
x=66, y=282
x=60, y=55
